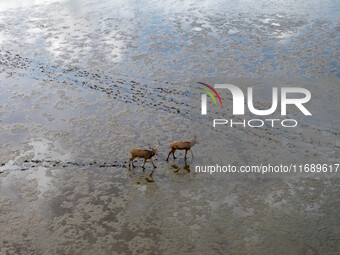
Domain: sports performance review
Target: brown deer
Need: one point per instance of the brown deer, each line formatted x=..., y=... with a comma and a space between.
x=145, y=154
x=182, y=146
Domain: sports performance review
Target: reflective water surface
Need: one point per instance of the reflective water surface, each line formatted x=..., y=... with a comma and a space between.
x=83, y=82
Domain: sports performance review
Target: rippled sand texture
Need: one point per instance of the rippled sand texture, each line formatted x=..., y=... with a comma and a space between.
x=83, y=82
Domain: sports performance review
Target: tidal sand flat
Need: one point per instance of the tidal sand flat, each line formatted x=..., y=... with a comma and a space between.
x=84, y=82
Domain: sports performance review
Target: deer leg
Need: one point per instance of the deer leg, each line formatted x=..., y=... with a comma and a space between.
x=131, y=160
x=173, y=153
x=169, y=155
x=191, y=153
x=153, y=163
x=144, y=164
x=185, y=156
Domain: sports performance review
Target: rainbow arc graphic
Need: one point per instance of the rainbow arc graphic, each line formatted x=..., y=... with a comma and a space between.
x=209, y=93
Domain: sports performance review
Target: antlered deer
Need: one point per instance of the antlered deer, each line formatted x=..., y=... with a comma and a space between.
x=145, y=154
x=182, y=146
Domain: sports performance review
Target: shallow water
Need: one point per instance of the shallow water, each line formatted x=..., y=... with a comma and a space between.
x=83, y=82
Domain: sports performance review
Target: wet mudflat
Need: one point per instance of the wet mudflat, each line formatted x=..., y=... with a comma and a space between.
x=84, y=82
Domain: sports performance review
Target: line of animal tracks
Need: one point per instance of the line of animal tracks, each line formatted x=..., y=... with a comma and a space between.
x=163, y=96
